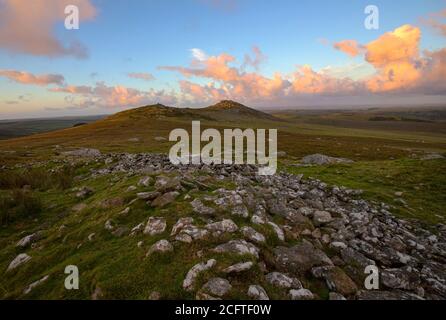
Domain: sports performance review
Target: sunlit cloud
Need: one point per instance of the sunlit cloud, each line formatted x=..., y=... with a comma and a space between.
x=350, y=47
x=31, y=79
x=102, y=95
x=27, y=27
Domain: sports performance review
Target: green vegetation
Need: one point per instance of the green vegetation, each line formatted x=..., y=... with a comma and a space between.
x=41, y=197
x=422, y=184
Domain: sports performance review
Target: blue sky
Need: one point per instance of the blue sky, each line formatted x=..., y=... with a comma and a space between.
x=139, y=36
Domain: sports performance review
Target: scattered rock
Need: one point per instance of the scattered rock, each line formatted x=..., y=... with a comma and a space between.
x=28, y=240
x=160, y=246
x=336, y=280
x=83, y=153
x=257, y=292
x=320, y=159
x=239, y=267
x=238, y=247
x=300, y=258
x=191, y=277
x=321, y=218
x=18, y=261
x=35, y=284
x=251, y=234
x=217, y=287
x=283, y=281
x=226, y=225
x=165, y=199
x=301, y=294
x=148, y=195
x=201, y=209
x=84, y=192
x=155, y=225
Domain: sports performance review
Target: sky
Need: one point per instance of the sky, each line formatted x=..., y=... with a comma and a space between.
x=193, y=53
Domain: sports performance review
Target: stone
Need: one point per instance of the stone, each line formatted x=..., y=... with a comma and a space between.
x=239, y=267
x=251, y=234
x=166, y=184
x=201, y=209
x=155, y=225
x=217, y=287
x=192, y=274
x=180, y=224
x=155, y=295
x=83, y=152
x=161, y=246
x=355, y=258
x=226, y=225
x=108, y=225
x=183, y=237
x=165, y=199
x=145, y=181
x=321, y=159
x=241, y=211
x=18, y=261
x=35, y=284
x=300, y=258
x=148, y=195
x=337, y=245
x=255, y=219
x=120, y=231
x=238, y=247
x=301, y=294
x=336, y=280
x=28, y=240
x=335, y=296
x=321, y=217
x=257, y=292
x=84, y=192
x=112, y=203
x=281, y=280
x=279, y=232
x=387, y=295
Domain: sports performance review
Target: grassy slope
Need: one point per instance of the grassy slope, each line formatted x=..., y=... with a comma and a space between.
x=382, y=167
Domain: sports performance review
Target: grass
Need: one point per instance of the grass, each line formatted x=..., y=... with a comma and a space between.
x=422, y=184
x=383, y=166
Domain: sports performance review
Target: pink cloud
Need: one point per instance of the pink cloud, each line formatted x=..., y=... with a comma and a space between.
x=350, y=47
x=141, y=76
x=102, y=95
x=29, y=78
x=27, y=26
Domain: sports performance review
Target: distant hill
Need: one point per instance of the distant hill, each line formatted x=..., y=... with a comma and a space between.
x=140, y=128
x=228, y=109
x=25, y=127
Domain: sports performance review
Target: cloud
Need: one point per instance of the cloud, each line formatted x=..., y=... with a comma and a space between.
x=397, y=59
x=27, y=27
x=350, y=47
x=141, y=75
x=102, y=95
x=29, y=78
x=256, y=61
x=307, y=81
x=198, y=54
x=432, y=20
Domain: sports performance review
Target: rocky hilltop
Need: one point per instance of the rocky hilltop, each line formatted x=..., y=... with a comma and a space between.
x=140, y=227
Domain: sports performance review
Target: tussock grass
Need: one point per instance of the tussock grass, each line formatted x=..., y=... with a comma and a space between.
x=37, y=178
x=19, y=204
